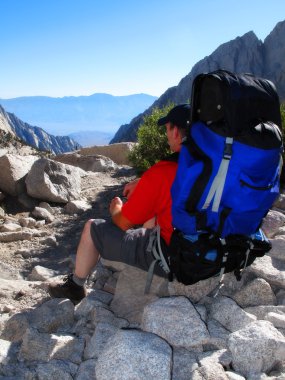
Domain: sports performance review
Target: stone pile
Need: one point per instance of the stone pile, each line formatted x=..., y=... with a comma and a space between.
x=175, y=332
x=237, y=335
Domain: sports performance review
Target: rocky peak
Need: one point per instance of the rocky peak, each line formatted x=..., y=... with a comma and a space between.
x=243, y=54
x=274, y=53
x=35, y=136
x=4, y=122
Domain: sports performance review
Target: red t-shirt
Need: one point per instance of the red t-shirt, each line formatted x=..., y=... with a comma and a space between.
x=152, y=197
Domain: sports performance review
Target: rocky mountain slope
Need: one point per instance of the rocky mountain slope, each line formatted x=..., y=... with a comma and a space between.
x=243, y=54
x=117, y=332
x=35, y=136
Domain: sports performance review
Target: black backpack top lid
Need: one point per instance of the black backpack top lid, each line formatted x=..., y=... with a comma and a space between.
x=240, y=100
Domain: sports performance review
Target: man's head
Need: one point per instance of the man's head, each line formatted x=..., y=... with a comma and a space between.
x=176, y=121
x=178, y=116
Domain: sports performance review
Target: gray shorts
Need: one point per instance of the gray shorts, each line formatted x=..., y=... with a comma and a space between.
x=129, y=247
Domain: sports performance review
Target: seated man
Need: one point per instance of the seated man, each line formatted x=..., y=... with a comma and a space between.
x=117, y=240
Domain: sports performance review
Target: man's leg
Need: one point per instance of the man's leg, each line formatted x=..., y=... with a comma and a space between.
x=86, y=258
x=87, y=255
x=129, y=247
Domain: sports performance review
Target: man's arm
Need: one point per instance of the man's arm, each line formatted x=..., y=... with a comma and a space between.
x=117, y=216
x=130, y=187
x=127, y=192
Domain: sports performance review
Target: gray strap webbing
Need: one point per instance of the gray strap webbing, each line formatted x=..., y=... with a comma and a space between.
x=247, y=255
x=280, y=165
x=164, y=263
x=158, y=258
x=222, y=271
x=149, y=277
x=218, y=184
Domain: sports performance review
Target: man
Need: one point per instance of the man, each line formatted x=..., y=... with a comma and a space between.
x=149, y=199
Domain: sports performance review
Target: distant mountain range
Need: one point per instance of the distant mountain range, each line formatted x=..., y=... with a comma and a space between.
x=243, y=54
x=90, y=138
x=93, y=120
x=34, y=136
x=63, y=116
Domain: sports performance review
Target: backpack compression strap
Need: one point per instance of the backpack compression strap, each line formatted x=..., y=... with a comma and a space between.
x=216, y=190
x=154, y=247
x=203, y=178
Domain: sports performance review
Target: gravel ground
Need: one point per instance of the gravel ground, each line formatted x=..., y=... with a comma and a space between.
x=18, y=258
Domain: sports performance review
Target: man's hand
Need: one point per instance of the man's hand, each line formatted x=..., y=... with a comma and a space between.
x=129, y=188
x=115, y=205
x=117, y=216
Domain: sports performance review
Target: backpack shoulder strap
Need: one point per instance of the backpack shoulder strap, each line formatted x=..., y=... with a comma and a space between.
x=172, y=157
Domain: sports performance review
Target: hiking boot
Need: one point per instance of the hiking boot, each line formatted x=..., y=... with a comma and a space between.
x=66, y=288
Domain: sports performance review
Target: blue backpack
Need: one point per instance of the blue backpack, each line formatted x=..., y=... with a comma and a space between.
x=227, y=178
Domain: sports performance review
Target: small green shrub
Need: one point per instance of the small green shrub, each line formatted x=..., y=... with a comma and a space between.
x=152, y=141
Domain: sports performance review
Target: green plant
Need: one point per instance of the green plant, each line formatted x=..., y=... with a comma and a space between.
x=152, y=141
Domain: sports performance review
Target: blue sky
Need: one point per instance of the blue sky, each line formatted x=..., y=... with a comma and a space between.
x=80, y=47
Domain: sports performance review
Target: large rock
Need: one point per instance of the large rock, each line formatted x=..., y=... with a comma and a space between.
x=194, y=292
x=103, y=333
x=210, y=371
x=52, y=315
x=10, y=227
x=277, y=320
x=219, y=334
x=261, y=312
x=45, y=347
x=222, y=357
x=89, y=163
x=278, y=248
x=280, y=202
x=86, y=370
x=135, y=355
x=177, y=321
x=116, y=152
x=7, y=237
x=211, y=365
x=130, y=299
x=101, y=314
x=256, y=348
x=5, y=347
x=15, y=327
x=270, y=269
x=87, y=305
x=13, y=169
x=40, y=273
x=184, y=363
x=229, y=314
x=53, y=181
x=56, y=369
x=273, y=221
x=42, y=213
x=257, y=292
x=77, y=207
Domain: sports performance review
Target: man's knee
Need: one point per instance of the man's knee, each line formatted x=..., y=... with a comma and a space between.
x=87, y=228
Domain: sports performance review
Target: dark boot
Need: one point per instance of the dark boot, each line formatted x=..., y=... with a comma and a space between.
x=66, y=288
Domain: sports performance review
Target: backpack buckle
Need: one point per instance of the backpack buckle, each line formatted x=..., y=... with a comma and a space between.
x=228, y=150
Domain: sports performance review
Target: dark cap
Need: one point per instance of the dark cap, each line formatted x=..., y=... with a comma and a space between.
x=178, y=115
